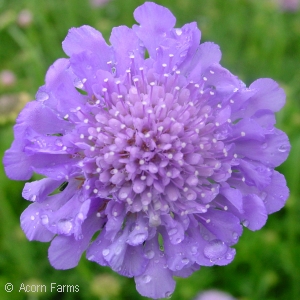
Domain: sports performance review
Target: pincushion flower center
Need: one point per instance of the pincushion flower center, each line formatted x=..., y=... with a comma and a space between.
x=151, y=142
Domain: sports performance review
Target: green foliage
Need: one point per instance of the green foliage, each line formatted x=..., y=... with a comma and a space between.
x=257, y=40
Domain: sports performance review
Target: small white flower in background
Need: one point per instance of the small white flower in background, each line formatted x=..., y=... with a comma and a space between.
x=7, y=78
x=98, y=3
x=24, y=18
x=214, y=295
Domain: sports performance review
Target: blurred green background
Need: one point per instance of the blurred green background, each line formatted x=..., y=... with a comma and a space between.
x=257, y=39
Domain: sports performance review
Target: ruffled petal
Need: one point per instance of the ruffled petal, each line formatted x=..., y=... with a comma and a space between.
x=155, y=23
x=86, y=38
x=149, y=284
x=255, y=213
x=255, y=173
x=272, y=151
x=275, y=194
x=65, y=251
x=206, y=55
x=125, y=44
x=268, y=96
x=39, y=190
x=32, y=224
x=224, y=225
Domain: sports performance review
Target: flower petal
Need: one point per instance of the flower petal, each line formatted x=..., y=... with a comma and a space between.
x=155, y=23
x=149, y=284
x=276, y=194
x=86, y=38
x=65, y=251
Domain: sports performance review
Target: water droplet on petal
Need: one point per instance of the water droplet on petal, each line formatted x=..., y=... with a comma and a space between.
x=150, y=254
x=146, y=278
x=42, y=96
x=228, y=256
x=91, y=257
x=178, y=240
x=235, y=235
x=80, y=216
x=45, y=219
x=78, y=83
x=59, y=143
x=215, y=249
x=64, y=226
x=194, y=250
x=246, y=223
x=32, y=218
x=168, y=294
x=185, y=261
x=105, y=252
x=173, y=231
x=283, y=148
x=263, y=195
x=139, y=238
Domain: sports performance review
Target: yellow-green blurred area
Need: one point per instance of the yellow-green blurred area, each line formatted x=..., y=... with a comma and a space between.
x=257, y=39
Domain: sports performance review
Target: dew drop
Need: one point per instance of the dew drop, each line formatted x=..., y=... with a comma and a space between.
x=32, y=218
x=173, y=231
x=246, y=223
x=78, y=83
x=178, y=240
x=80, y=216
x=283, y=148
x=150, y=254
x=263, y=195
x=45, y=219
x=146, y=278
x=91, y=257
x=235, y=235
x=185, y=261
x=105, y=252
x=58, y=142
x=228, y=256
x=33, y=197
x=168, y=294
x=215, y=249
x=64, y=226
x=194, y=250
x=42, y=96
x=139, y=238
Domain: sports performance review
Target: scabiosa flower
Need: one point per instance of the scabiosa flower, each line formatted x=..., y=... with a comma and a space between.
x=154, y=155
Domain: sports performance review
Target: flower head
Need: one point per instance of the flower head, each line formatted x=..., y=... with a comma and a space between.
x=152, y=145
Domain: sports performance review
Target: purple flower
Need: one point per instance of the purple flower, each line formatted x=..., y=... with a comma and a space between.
x=150, y=143
x=289, y=5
